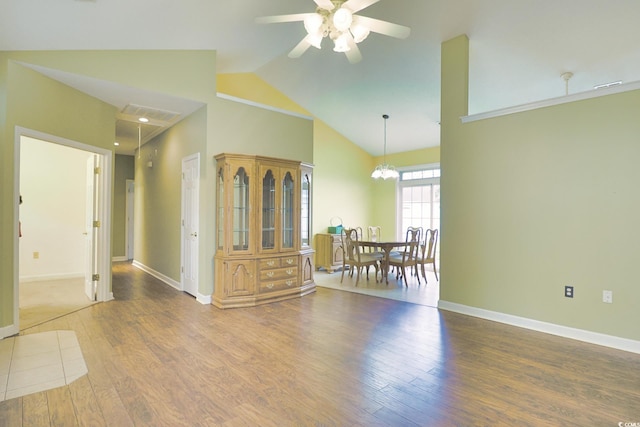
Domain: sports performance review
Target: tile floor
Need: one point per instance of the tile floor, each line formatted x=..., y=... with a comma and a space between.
x=39, y=362
x=414, y=292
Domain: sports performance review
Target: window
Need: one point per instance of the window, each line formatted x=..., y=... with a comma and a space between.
x=419, y=200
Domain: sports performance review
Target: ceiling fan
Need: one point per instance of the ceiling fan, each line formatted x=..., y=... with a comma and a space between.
x=337, y=20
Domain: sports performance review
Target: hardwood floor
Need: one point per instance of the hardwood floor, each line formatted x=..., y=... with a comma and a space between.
x=156, y=357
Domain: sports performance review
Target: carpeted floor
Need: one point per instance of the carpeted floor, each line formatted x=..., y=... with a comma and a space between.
x=41, y=301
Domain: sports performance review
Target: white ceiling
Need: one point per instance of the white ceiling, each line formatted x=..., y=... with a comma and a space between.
x=518, y=51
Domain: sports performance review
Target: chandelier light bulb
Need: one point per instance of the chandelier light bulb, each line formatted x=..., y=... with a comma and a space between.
x=342, y=19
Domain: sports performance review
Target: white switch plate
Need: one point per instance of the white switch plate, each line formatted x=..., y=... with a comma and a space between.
x=607, y=296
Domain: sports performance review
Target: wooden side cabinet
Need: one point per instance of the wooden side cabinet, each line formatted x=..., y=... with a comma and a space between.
x=263, y=220
x=328, y=252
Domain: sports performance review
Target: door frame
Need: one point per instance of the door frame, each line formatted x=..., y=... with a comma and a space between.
x=103, y=234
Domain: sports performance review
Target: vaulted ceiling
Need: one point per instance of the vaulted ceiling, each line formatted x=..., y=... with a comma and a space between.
x=518, y=52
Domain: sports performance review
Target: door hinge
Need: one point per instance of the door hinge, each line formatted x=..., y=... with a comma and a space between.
x=96, y=170
x=96, y=224
x=182, y=269
x=95, y=277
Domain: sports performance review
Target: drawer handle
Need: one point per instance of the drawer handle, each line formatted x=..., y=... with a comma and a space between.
x=270, y=286
x=289, y=282
x=289, y=261
x=290, y=271
x=271, y=263
x=270, y=274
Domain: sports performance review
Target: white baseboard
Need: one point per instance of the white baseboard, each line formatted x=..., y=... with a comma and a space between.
x=8, y=331
x=549, y=328
x=45, y=277
x=204, y=299
x=166, y=279
x=119, y=259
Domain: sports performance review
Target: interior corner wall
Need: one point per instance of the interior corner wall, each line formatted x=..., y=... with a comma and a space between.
x=38, y=103
x=537, y=200
x=123, y=170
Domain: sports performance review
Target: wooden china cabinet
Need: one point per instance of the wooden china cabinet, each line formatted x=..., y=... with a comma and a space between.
x=263, y=222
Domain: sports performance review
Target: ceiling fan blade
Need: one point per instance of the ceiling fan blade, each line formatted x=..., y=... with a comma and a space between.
x=300, y=48
x=277, y=19
x=353, y=54
x=384, y=27
x=356, y=5
x=325, y=4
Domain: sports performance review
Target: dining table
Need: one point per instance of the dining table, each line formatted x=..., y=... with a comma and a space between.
x=386, y=247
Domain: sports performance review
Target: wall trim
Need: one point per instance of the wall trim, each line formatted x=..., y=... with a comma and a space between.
x=549, y=328
x=45, y=277
x=596, y=93
x=119, y=258
x=166, y=279
x=263, y=106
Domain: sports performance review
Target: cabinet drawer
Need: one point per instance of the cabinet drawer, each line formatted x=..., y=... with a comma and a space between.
x=279, y=273
x=277, y=285
x=270, y=263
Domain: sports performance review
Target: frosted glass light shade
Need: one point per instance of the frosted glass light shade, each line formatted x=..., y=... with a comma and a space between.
x=312, y=23
x=342, y=19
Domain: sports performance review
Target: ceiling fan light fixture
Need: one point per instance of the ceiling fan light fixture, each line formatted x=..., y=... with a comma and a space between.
x=315, y=40
x=313, y=23
x=359, y=32
x=341, y=44
x=342, y=19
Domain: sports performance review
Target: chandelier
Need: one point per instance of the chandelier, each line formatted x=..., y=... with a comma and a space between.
x=385, y=170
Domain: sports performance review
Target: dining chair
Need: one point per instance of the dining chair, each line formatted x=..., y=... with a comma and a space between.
x=427, y=252
x=373, y=235
x=413, y=234
x=354, y=257
x=406, y=259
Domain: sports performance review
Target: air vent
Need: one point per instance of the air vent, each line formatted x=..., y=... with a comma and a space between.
x=153, y=114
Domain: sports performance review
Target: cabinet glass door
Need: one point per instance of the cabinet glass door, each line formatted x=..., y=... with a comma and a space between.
x=220, y=207
x=268, y=211
x=241, y=220
x=305, y=211
x=287, y=211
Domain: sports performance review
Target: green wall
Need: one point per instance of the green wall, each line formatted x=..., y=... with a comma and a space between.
x=537, y=200
x=36, y=102
x=123, y=170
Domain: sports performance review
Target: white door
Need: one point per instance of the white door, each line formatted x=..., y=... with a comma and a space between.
x=190, y=222
x=90, y=282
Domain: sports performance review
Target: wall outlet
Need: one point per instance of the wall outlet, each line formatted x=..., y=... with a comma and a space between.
x=607, y=296
x=36, y=255
x=568, y=291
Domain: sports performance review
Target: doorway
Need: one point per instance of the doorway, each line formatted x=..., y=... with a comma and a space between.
x=65, y=220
